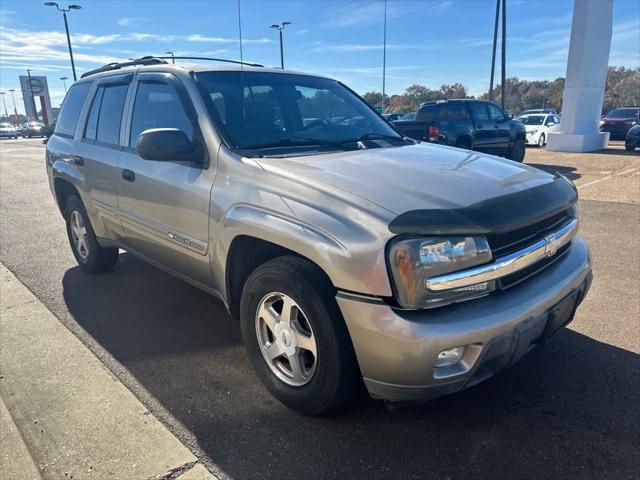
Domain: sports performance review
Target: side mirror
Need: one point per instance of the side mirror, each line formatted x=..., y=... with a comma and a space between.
x=509, y=115
x=166, y=145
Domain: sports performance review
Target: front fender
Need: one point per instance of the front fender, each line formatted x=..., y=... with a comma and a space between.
x=353, y=262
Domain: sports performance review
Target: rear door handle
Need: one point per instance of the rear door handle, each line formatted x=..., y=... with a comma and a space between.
x=78, y=160
x=128, y=175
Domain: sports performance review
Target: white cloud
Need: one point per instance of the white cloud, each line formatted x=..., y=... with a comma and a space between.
x=131, y=21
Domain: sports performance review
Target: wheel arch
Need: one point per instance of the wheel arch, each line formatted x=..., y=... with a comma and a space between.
x=63, y=189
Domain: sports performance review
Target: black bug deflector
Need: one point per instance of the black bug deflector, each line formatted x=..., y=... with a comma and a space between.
x=497, y=215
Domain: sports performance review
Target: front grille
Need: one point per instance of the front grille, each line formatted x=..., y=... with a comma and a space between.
x=510, y=242
x=521, y=275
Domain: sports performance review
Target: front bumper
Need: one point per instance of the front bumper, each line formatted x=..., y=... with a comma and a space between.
x=531, y=138
x=396, y=349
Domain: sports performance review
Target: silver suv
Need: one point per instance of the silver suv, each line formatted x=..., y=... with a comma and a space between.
x=345, y=250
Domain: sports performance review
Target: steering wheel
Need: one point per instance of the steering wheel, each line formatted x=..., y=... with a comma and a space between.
x=316, y=123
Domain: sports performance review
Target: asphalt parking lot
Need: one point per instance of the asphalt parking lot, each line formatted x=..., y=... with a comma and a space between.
x=568, y=410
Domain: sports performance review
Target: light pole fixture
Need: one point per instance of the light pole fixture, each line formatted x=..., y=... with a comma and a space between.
x=66, y=27
x=64, y=82
x=6, y=113
x=15, y=110
x=173, y=59
x=280, y=28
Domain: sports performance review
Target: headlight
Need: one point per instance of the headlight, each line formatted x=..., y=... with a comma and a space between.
x=415, y=260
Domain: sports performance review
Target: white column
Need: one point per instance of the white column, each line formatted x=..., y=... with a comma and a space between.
x=586, y=78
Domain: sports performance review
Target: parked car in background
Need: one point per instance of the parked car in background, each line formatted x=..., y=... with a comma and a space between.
x=550, y=111
x=32, y=129
x=538, y=127
x=620, y=120
x=8, y=131
x=632, y=140
x=392, y=116
x=348, y=253
x=408, y=116
x=469, y=124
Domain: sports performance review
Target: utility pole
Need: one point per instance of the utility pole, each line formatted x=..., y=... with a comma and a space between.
x=64, y=82
x=503, y=87
x=280, y=28
x=493, y=53
x=66, y=28
x=384, y=58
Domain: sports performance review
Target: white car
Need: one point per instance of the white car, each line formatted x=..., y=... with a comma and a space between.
x=538, y=127
x=8, y=130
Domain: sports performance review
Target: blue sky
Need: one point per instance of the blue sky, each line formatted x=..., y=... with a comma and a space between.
x=429, y=41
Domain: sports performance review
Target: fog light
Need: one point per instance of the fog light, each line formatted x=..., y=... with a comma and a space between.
x=449, y=357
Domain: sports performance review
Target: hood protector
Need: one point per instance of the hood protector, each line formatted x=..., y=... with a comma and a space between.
x=496, y=215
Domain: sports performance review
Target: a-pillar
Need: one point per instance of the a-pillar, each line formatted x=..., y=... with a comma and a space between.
x=586, y=78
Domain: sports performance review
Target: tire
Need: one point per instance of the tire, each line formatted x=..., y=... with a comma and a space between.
x=517, y=150
x=327, y=379
x=629, y=148
x=464, y=144
x=91, y=257
x=542, y=140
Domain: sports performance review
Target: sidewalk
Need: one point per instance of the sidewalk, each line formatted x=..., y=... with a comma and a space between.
x=66, y=415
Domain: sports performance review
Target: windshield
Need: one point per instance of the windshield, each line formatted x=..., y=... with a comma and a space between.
x=623, y=113
x=532, y=119
x=262, y=110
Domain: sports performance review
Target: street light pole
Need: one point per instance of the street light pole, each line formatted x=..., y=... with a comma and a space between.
x=493, y=53
x=15, y=110
x=280, y=28
x=173, y=59
x=66, y=28
x=503, y=87
x=384, y=57
x=64, y=82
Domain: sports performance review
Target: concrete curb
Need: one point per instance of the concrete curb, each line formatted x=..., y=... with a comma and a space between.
x=75, y=418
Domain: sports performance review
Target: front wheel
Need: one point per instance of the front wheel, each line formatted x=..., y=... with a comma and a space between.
x=295, y=336
x=516, y=152
x=91, y=257
x=629, y=148
x=542, y=140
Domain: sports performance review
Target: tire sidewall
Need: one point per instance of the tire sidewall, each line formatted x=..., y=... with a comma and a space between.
x=541, y=140
x=518, y=146
x=329, y=331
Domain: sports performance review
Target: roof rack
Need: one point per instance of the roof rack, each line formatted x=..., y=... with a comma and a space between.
x=224, y=60
x=162, y=60
x=116, y=66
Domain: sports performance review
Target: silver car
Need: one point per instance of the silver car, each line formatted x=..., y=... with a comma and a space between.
x=346, y=251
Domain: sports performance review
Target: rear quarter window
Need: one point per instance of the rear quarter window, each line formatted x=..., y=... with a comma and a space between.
x=71, y=108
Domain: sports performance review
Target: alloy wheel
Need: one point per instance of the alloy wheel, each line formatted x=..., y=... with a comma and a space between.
x=286, y=339
x=79, y=234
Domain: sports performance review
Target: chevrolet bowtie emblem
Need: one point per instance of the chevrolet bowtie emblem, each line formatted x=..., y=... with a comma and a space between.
x=551, y=246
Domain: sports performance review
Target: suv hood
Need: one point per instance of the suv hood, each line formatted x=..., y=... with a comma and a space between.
x=415, y=177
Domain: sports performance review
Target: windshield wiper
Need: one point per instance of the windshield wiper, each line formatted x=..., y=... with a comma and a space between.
x=295, y=142
x=375, y=136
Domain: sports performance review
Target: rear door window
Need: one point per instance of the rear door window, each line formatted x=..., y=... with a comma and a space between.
x=71, y=108
x=454, y=112
x=428, y=114
x=105, y=116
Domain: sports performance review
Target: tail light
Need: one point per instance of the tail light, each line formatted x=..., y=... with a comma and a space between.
x=433, y=133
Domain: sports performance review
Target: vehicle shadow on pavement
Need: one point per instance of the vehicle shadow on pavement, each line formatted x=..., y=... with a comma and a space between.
x=569, y=409
x=569, y=172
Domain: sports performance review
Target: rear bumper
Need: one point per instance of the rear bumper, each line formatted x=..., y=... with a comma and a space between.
x=396, y=349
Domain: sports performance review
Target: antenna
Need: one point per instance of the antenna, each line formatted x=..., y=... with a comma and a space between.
x=240, y=33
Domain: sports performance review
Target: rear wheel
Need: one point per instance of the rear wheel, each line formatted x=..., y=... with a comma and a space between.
x=295, y=336
x=464, y=143
x=629, y=148
x=91, y=257
x=516, y=152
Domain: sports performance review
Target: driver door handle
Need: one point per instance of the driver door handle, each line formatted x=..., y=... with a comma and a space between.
x=128, y=175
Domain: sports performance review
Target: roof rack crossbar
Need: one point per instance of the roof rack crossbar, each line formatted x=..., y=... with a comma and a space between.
x=116, y=66
x=224, y=60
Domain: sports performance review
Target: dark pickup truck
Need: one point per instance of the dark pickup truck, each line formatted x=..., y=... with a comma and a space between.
x=470, y=124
